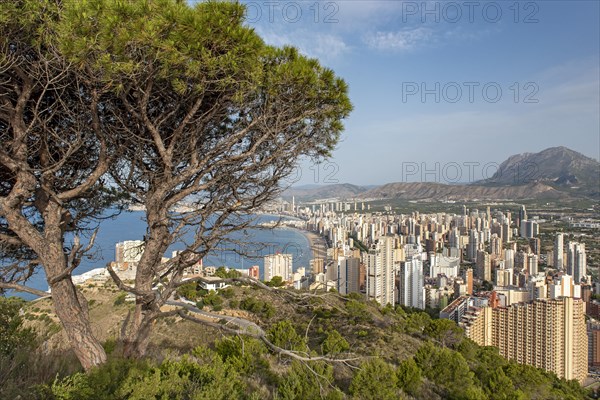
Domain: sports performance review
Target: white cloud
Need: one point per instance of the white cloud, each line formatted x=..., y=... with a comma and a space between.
x=324, y=46
x=329, y=46
x=460, y=34
x=406, y=39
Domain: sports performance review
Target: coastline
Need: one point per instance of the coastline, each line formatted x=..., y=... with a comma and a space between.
x=317, y=244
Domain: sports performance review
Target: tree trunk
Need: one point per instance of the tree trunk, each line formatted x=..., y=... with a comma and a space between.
x=70, y=307
x=146, y=307
x=136, y=342
x=75, y=321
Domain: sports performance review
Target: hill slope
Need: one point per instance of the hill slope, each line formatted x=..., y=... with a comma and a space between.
x=438, y=191
x=381, y=353
x=310, y=192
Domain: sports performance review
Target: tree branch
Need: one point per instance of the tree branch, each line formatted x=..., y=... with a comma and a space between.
x=267, y=342
x=23, y=288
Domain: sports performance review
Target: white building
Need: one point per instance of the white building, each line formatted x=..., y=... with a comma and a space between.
x=509, y=258
x=212, y=283
x=129, y=251
x=532, y=264
x=442, y=265
x=537, y=287
x=410, y=290
x=127, y=256
x=576, y=261
x=558, y=251
x=278, y=265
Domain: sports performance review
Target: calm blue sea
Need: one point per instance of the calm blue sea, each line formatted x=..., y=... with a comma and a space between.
x=131, y=226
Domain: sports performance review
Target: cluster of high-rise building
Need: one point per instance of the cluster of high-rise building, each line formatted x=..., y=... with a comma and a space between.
x=425, y=260
x=438, y=260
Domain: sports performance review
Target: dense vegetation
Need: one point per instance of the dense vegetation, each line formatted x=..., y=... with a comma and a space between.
x=388, y=354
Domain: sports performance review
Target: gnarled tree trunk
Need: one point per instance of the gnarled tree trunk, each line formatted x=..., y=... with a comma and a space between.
x=70, y=305
x=147, y=308
x=73, y=314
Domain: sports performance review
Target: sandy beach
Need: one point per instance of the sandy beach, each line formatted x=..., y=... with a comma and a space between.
x=318, y=245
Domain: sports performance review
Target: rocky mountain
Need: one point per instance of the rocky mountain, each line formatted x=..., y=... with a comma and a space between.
x=560, y=167
x=554, y=173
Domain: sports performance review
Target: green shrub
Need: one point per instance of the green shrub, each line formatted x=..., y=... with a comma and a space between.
x=120, y=299
x=334, y=342
x=101, y=383
x=213, y=299
x=54, y=328
x=284, y=335
x=409, y=376
x=227, y=293
x=222, y=272
x=243, y=353
x=308, y=381
x=188, y=291
x=201, y=375
x=376, y=380
x=268, y=310
x=110, y=345
x=358, y=311
x=276, y=281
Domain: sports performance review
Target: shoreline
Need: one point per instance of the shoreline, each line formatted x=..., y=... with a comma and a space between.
x=316, y=243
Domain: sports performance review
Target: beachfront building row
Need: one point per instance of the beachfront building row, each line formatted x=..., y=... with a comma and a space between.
x=546, y=333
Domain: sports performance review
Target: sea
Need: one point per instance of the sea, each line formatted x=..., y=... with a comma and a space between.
x=254, y=243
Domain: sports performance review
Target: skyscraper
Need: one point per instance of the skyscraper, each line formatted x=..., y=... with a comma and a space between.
x=495, y=245
x=410, y=290
x=474, y=245
x=348, y=275
x=532, y=264
x=484, y=266
x=558, y=251
x=522, y=214
x=380, y=271
x=576, y=261
x=509, y=258
x=529, y=229
x=468, y=277
x=535, y=244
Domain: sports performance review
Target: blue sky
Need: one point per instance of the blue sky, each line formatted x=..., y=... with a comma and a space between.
x=542, y=56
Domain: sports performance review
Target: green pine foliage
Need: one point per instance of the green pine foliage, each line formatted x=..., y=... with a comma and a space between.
x=376, y=380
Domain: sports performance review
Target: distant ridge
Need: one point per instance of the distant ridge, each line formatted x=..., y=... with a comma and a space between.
x=310, y=192
x=553, y=173
x=439, y=191
x=559, y=167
